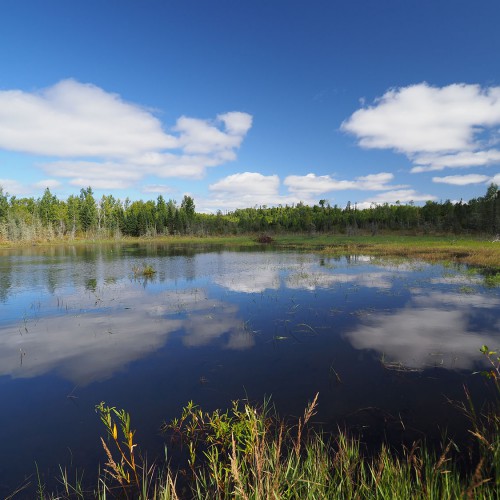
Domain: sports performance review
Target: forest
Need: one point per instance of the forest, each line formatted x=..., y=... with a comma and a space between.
x=48, y=218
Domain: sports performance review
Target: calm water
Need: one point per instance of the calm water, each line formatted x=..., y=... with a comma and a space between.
x=385, y=344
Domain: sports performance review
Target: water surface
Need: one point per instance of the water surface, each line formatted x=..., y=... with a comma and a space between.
x=386, y=344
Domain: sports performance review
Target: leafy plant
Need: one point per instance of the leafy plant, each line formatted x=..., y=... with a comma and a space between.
x=125, y=468
x=494, y=360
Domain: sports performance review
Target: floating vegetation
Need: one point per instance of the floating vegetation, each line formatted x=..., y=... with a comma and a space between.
x=492, y=280
x=398, y=366
x=145, y=271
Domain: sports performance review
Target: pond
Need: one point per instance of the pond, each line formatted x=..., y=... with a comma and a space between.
x=387, y=344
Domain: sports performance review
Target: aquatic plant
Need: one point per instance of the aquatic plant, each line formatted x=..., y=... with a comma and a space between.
x=124, y=469
x=146, y=271
x=248, y=452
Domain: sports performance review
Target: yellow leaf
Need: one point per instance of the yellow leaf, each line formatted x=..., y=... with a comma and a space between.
x=115, y=432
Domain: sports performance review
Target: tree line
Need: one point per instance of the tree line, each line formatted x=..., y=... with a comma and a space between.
x=83, y=215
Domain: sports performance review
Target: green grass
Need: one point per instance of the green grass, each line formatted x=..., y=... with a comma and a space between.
x=480, y=252
x=248, y=452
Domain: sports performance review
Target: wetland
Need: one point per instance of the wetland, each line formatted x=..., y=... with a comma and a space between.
x=387, y=343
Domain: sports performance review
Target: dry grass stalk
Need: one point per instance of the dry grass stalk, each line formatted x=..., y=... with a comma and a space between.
x=235, y=472
x=259, y=451
x=477, y=480
x=111, y=463
x=308, y=413
x=443, y=458
x=171, y=485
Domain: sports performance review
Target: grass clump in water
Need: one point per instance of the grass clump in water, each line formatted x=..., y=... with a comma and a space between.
x=144, y=271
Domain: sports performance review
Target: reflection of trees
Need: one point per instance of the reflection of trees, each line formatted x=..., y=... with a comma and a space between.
x=5, y=279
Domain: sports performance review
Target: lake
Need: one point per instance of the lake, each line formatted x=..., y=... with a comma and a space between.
x=387, y=344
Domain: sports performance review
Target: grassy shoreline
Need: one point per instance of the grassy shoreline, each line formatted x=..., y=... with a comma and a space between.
x=482, y=252
x=248, y=452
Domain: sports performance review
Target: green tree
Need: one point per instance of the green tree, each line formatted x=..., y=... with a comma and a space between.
x=47, y=208
x=161, y=215
x=4, y=204
x=88, y=209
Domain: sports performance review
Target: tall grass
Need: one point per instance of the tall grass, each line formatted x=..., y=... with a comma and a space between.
x=247, y=452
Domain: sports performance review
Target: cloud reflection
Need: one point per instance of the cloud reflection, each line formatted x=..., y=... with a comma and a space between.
x=311, y=279
x=434, y=329
x=254, y=280
x=87, y=345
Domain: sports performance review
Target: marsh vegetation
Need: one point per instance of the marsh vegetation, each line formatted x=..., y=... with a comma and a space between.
x=388, y=342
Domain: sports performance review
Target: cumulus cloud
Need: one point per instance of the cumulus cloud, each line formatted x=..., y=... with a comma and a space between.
x=248, y=182
x=398, y=195
x=74, y=119
x=462, y=180
x=247, y=189
x=104, y=141
x=13, y=187
x=436, y=127
x=313, y=184
x=465, y=159
x=157, y=188
x=47, y=183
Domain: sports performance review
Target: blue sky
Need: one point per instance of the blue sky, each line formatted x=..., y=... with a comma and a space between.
x=251, y=102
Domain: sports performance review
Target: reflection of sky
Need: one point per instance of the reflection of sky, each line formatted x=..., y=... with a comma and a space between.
x=95, y=320
x=313, y=279
x=253, y=280
x=255, y=274
x=94, y=342
x=434, y=329
x=246, y=323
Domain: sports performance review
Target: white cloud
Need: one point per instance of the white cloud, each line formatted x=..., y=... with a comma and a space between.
x=106, y=142
x=401, y=195
x=465, y=159
x=462, y=180
x=435, y=127
x=47, y=183
x=236, y=123
x=71, y=119
x=248, y=189
x=13, y=187
x=251, y=183
x=202, y=137
x=157, y=188
x=16, y=188
x=311, y=184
